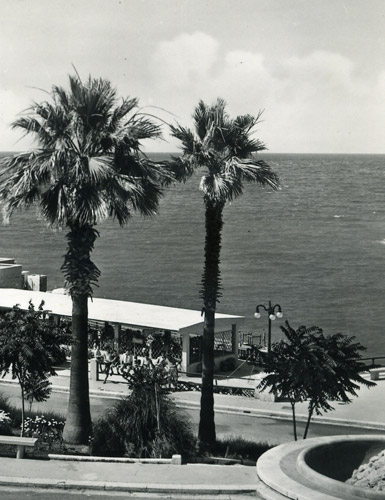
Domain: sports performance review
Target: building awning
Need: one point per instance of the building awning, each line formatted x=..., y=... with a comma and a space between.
x=132, y=314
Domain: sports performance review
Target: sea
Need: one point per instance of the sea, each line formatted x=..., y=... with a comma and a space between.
x=316, y=247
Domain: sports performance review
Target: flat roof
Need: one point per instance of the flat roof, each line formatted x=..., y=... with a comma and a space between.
x=111, y=311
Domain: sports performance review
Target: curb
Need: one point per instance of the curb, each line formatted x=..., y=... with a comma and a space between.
x=281, y=415
x=127, y=487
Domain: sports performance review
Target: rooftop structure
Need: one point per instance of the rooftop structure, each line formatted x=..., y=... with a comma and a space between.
x=146, y=317
x=132, y=314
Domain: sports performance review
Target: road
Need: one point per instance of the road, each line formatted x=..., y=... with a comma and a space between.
x=272, y=431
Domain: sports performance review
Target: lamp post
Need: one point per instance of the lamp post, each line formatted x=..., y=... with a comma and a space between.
x=272, y=315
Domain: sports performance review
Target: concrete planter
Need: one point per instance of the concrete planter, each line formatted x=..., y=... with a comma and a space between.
x=318, y=468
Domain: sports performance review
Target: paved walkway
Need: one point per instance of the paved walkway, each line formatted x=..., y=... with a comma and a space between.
x=178, y=479
x=366, y=411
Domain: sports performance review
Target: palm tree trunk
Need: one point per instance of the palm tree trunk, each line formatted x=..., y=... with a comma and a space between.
x=77, y=429
x=80, y=273
x=210, y=293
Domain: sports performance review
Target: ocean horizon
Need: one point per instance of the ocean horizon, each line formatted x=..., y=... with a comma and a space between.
x=316, y=247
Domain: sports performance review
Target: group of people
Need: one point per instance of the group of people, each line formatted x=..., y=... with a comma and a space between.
x=113, y=363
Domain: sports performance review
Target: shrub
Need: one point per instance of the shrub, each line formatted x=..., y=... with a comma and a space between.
x=49, y=430
x=15, y=413
x=5, y=423
x=145, y=424
x=137, y=427
x=239, y=448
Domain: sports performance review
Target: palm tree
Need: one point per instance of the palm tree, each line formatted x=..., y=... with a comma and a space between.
x=87, y=166
x=225, y=148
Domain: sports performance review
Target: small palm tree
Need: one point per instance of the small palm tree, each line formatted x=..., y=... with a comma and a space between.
x=87, y=166
x=225, y=148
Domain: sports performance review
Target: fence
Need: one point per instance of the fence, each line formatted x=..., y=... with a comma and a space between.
x=373, y=363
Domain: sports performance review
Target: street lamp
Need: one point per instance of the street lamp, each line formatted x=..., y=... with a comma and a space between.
x=272, y=315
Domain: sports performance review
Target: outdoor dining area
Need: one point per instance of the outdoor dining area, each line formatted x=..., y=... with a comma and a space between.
x=143, y=331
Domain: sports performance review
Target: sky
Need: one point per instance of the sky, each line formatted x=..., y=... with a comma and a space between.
x=316, y=67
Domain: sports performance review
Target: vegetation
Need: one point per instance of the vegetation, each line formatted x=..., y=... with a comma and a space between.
x=29, y=344
x=16, y=417
x=145, y=424
x=87, y=166
x=225, y=148
x=308, y=366
x=239, y=448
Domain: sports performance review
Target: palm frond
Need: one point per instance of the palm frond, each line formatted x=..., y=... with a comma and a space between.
x=252, y=171
x=186, y=137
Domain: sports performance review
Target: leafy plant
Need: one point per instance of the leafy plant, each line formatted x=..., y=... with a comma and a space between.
x=5, y=423
x=29, y=344
x=49, y=430
x=308, y=366
x=36, y=389
x=238, y=448
x=145, y=424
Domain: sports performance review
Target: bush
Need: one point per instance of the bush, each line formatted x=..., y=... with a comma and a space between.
x=238, y=448
x=15, y=413
x=5, y=423
x=145, y=424
x=49, y=430
x=135, y=427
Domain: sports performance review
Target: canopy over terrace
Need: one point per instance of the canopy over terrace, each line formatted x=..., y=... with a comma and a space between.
x=188, y=323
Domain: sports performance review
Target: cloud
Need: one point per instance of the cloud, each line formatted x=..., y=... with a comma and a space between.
x=316, y=102
x=185, y=61
x=11, y=105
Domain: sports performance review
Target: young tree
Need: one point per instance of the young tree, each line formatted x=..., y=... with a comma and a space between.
x=307, y=366
x=87, y=166
x=29, y=344
x=225, y=148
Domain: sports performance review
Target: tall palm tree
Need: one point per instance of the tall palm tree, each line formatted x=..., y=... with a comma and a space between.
x=225, y=149
x=87, y=166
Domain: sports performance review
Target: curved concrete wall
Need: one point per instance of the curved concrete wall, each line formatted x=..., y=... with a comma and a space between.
x=338, y=459
x=316, y=468
x=331, y=464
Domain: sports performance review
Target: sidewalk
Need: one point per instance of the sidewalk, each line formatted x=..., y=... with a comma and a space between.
x=366, y=411
x=189, y=479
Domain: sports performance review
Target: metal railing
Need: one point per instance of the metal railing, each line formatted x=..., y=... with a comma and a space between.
x=373, y=363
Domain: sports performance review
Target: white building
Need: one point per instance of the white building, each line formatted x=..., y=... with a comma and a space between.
x=149, y=319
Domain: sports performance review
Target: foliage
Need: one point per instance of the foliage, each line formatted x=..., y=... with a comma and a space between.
x=15, y=413
x=36, y=389
x=5, y=423
x=308, y=365
x=49, y=430
x=238, y=448
x=225, y=149
x=145, y=424
x=88, y=166
x=29, y=344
